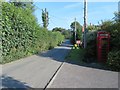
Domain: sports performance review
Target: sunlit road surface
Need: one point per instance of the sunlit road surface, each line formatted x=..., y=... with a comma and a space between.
x=39, y=71
x=34, y=71
x=74, y=76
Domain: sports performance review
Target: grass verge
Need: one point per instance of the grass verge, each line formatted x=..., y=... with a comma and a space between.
x=77, y=57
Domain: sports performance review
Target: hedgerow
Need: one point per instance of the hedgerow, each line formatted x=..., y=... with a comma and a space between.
x=113, y=27
x=114, y=60
x=21, y=34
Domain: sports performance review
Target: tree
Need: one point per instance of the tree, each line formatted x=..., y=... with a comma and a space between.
x=106, y=25
x=45, y=18
x=58, y=29
x=92, y=27
x=63, y=31
x=22, y=35
x=117, y=16
x=113, y=27
x=67, y=33
x=19, y=3
x=78, y=31
x=78, y=26
x=24, y=5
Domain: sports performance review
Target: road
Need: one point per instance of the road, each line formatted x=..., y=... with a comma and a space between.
x=48, y=70
x=34, y=71
x=74, y=76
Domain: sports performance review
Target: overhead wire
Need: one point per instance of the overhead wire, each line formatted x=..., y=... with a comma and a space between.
x=59, y=18
x=64, y=20
x=53, y=22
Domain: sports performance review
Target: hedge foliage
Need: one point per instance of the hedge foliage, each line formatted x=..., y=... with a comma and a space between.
x=22, y=35
x=90, y=50
x=114, y=60
x=113, y=27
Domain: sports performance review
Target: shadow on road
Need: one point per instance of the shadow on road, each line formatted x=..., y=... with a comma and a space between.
x=59, y=54
x=9, y=83
x=90, y=65
x=67, y=44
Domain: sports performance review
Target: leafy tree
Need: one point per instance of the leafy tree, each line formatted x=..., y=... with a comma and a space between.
x=92, y=27
x=106, y=24
x=67, y=34
x=19, y=3
x=24, y=5
x=113, y=27
x=22, y=35
x=45, y=18
x=78, y=31
x=63, y=31
x=117, y=16
x=78, y=26
x=58, y=29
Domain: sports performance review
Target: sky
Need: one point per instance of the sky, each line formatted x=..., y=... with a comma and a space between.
x=62, y=14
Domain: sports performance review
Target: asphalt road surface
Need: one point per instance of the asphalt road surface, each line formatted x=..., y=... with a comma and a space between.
x=34, y=71
x=74, y=76
x=48, y=70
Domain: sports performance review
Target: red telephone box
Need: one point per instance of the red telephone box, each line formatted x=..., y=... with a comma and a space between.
x=103, y=44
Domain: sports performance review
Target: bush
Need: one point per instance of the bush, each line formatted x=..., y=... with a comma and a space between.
x=90, y=54
x=114, y=60
x=21, y=35
x=72, y=39
x=113, y=28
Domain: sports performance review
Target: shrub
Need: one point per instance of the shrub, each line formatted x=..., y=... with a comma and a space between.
x=90, y=54
x=72, y=39
x=114, y=60
x=21, y=35
x=113, y=28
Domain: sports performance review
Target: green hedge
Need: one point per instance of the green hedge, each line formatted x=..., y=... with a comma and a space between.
x=113, y=28
x=114, y=60
x=114, y=55
x=91, y=52
x=22, y=36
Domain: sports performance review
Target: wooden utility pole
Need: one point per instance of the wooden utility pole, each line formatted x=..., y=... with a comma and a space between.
x=75, y=30
x=85, y=22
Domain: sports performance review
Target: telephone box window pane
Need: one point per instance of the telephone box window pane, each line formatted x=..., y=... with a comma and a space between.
x=104, y=42
x=103, y=34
